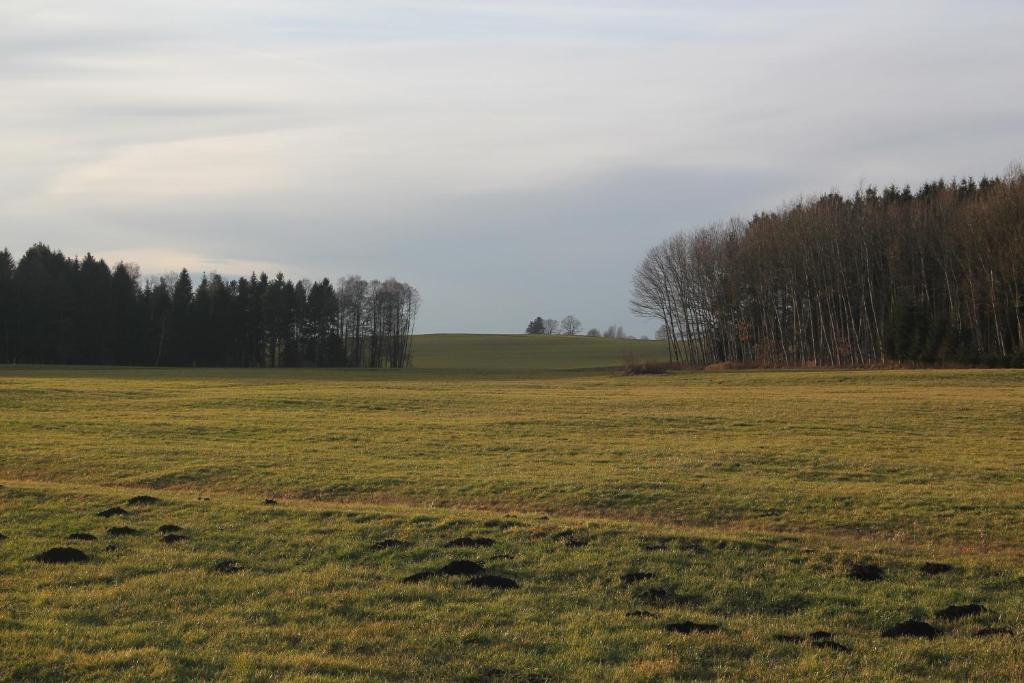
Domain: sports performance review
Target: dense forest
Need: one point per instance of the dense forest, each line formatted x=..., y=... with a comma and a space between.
x=55, y=309
x=929, y=277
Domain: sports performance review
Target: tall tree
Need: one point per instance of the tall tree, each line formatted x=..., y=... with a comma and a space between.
x=181, y=330
x=126, y=320
x=571, y=325
x=878, y=277
x=59, y=310
x=7, y=299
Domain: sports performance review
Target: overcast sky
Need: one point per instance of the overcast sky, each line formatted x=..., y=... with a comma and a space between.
x=508, y=158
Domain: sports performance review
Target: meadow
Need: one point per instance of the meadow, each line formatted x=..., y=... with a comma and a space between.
x=518, y=352
x=349, y=525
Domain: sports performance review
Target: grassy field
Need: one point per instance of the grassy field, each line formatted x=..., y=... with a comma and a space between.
x=747, y=497
x=517, y=352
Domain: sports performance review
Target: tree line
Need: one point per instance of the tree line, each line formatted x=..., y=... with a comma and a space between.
x=55, y=309
x=571, y=326
x=934, y=276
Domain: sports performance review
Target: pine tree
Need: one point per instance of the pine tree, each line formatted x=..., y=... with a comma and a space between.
x=7, y=330
x=536, y=326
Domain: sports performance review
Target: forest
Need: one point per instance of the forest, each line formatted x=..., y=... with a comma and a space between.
x=56, y=309
x=932, y=277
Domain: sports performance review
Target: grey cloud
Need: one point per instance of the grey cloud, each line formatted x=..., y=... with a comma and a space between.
x=509, y=159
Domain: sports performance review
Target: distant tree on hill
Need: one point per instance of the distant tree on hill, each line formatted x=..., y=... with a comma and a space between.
x=593, y=332
x=536, y=326
x=571, y=326
x=614, y=332
x=551, y=326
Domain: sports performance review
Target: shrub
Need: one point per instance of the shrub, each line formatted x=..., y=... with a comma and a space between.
x=649, y=367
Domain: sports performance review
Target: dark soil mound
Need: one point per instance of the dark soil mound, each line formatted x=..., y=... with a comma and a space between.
x=994, y=631
x=640, y=613
x=490, y=674
x=822, y=639
x=830, y=645
x=389, y=543
x=2, y=537
x=825, y=641
x=570, y=539
x=657, y=596
x=61, y=556
x=169, y=529
x=691, y=627
x=633, y=577
x=912, y=629
x=866, y=572
x=959, y=611
x=122, y=531
x=110, y=547
x=227, y=567
x=143, y=500
x=174, y=538
x=81, y=537
x=462, y=568
x=936, y=568
x=652, y=547
x=492, y=581
x=470, y=542
x=269, y=501
x=419, y=576
x=111, y=512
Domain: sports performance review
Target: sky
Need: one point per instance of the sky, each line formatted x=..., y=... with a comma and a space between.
x=507, y=158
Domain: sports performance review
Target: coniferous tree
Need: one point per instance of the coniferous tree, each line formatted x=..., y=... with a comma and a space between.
x=180, y=332
x=59, y=310
x=7, y=299
x=126, y=321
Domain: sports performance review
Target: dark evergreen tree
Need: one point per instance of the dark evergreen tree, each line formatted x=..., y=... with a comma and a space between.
x=91, y=312
x=59, y=310
x=180, y=331
x=7, y=299
x=536, y=326
x=126, y=319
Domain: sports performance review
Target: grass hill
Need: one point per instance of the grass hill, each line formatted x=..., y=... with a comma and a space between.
x=528, y=352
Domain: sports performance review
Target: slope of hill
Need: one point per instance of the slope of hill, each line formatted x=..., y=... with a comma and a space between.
x=528, y=352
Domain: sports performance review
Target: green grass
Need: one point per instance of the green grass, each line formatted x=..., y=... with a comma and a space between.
x=528, y=352
x=747, y=494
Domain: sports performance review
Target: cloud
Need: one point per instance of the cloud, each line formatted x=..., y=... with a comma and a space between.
x=457, y=143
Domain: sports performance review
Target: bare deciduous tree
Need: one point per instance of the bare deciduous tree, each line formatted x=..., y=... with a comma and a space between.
x=930, y=276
